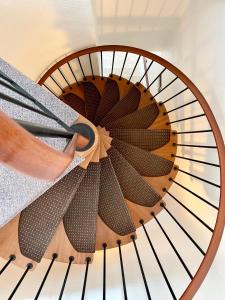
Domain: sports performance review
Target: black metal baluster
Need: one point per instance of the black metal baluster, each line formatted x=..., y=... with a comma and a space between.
x=158, y=261
x=172, y=97
x=54, y=256
x=185, y=119
x=111, y=75
x=11, y=258
x=56, y=82
x=183, y=229
x=122, y=270
x=160, y=74
x=64, y=77
x=123, y=66
x=28, y=268
x=24, y=105
x=166, y=86
x=71, y=69
x=193, y=193
x=197, y=177
x=134, y=69
x=186, y=104
x=71, y=259
x=187, y=209
x=101, y=66
x=172, y=245
x=160, y=83
x=195, y=146
x=146, y=71
x=50, y=90
x=195, y=160
x=88, y=259
x=104, y=271
x=196, y=131
x=84, y=77
x=92, y=72
x=141, y=267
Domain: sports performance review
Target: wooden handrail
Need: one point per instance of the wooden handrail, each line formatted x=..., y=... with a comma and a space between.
x=219, y=226
x=28, y=154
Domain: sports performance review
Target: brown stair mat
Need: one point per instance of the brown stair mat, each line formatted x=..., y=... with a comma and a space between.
x=92, y=98
x=133, y=186
x=145, y=163
x=142, y=138
x=75, y=102
x=39, y=221
x=112, y=205
x=80, y=218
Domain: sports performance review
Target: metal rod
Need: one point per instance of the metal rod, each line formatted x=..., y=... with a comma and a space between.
x=93, y=76
x=145, y=72
x=134, y=69
x=71, y=69
x=181, y=106
x=101, y=66
x=197, y=131
x=197, y=177
x=195, y=146
x=104, y=271
x=167, y=100
x=155, y=80
x=113, y=58
x=183, y=229
x=172, y=245
x=29, y=267
x=158, y=261
x=195, y=160
x=11, y=258
x=54, y=256
x=141, y=267
x=50, y=90
x=56, y=82
x=39, y=130
x=185, y=119
x=166, y=86
x=64, y=77
x=187, y=209
x=84, y=77
x=123, y=66
x=193, y=193
x=71, y=259
x=122, y=270
x=88, y=259
x=24, y=105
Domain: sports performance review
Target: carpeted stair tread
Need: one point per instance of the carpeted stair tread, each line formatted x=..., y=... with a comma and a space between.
x=141, y=118
x=112, y=205
x=133, y=186
x=80, y=218
x=92, y=98
x=124, y=107
x=142, y=138
x=145, y=163
x=75, y=102
x=110, y=96
x=39, y=221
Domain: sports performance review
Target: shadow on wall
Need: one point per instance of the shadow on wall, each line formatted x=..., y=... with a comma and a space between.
x=147, y=24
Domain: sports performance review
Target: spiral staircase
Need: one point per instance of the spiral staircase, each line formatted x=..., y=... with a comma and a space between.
x=130, y=138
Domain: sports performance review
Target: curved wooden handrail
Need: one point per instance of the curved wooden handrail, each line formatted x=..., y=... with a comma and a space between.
x=25, y=153
x=220, y=221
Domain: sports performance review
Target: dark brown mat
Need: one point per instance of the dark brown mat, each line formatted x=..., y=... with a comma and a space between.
x=80, y=218
x=145, y=163
x=142, y=138
x=75, y=102
x=112, y=205
x=133, y=186
x=110, y=96
x=124, y=107
x=141, y=118
x=92, y=98
x=39, y=221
